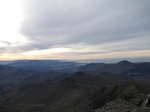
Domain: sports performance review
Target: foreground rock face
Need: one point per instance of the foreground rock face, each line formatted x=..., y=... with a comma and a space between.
x=121, y=106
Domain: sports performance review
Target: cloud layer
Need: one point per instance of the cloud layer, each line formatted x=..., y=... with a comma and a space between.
x=86, y=26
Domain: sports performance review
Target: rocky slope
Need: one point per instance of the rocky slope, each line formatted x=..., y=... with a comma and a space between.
x=121, y=106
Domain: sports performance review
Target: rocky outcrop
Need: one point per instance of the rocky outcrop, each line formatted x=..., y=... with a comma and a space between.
x=121, y=106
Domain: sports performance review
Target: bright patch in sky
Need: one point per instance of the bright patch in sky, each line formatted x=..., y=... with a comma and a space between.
x=11, y=16
x=48, y=51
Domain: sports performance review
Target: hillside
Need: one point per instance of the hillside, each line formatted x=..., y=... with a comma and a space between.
x=139, y=71
x=79, y=92
x=11, y=77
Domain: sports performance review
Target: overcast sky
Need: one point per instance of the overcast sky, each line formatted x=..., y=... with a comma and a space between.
x=74, y=29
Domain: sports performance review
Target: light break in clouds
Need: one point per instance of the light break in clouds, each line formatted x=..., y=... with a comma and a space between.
x=80, y=29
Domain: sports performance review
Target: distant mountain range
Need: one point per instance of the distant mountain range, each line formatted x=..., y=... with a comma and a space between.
x=37, y=86
x=140, y=71
x=45, y=65
x=122, y=67
x=22, y=72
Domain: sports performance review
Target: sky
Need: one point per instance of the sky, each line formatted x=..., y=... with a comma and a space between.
x=74, y=29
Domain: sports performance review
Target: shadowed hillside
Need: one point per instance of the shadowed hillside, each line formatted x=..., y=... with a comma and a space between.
x=79, y=92
x=11, y=77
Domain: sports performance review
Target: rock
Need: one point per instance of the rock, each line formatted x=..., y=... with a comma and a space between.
x=120, y=106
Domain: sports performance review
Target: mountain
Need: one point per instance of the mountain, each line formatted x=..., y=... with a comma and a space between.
x=80, y=92
x=45, y=65
x=45, y=77
x=122, y=67
x=140, y=71
x=5, y=62
x=10, y=72
x=28, y=86
x=11, y=77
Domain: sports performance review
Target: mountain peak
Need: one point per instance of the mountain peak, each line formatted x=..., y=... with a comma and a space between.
x=124, y=62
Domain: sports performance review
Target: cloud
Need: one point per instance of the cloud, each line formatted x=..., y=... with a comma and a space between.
x=4, y=43
x=52, y=23
x=85, y=26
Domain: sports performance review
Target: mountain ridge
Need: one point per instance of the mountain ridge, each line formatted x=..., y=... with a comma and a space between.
x=73, y=94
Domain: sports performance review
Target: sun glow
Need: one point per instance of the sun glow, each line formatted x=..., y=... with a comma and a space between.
x=48, y=51
x=11, y=16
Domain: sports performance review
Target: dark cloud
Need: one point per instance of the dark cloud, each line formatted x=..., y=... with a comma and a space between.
x=50, y=23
